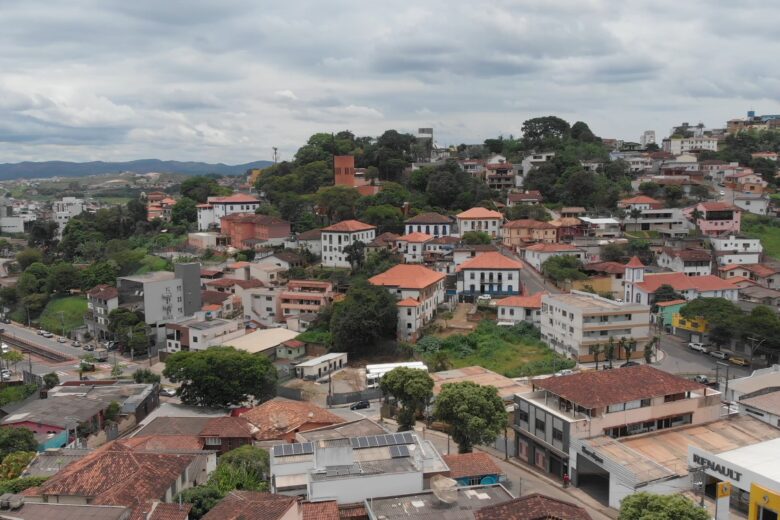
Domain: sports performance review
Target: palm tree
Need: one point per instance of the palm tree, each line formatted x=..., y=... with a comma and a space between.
x=696, y=215
x=596, y=350
x=621, y=346
x=610, y=350
x=650, y=348
x=629, y=348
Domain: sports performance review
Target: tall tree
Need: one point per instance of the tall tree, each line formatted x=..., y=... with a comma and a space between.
x=367, y=314
x=475, y=414
x=184, y=211
x=648, y=506
x=16, y=439
x=413, y=388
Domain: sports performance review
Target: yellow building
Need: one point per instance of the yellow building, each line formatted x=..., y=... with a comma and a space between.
x=764, y=503
x=696, y=325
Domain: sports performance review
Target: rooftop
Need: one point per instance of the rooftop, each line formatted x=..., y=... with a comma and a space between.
x=769, y=402
x=349, y=226
x=228, y=427
x=590, y=302
x=490, y=260
x=407, y=276
x=41, y=511
x=279, y=416
x=426, y=505
x=689, y=255
x=415, y=237
x=359, y=428
x=533, y=507
x=601, y=388
x=528, y=224
x=429, y=218
x=321, y=359
x=232, y=199
x=251, y=505
x=262, y=340
x=682, y=282
x=606, y=267
x=103, y=292
x=758, y=380
x=529, y=302
x=639, y=199
x=187, y=426
x=312, y=234
x=507, y=387
x=552, y=248
x=155, y=276
x=479, y=213
x=475, y=464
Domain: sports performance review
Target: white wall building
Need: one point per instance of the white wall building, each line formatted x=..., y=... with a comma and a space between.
x=201, y=334
x=412, y=246
x=647, y=137
x=737, y=250
x=64, y=210
x=338, y=236
x=758, y=205
x=681, y=145
x=640, y=287
x=210, y=213
x=489, y=274
x=480, y=219
x=537, y=254
x=692, y=262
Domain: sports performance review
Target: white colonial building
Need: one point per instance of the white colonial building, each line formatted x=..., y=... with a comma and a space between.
x=338, y=236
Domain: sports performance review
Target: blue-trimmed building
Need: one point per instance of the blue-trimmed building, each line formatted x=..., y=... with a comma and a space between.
x=489, y=273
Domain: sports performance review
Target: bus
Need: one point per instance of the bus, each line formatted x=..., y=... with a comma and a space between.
x=374, y=373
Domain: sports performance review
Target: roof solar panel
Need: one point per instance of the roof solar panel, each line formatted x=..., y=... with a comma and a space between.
x=398, y=452
x=355, y=442
x=297, y=449
x=278, y=450
x=372, y=442
x=308, y=447
x=389, y=440
x=407, y=438
x=364, y=442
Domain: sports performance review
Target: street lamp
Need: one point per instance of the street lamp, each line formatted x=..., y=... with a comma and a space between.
x=722, y=364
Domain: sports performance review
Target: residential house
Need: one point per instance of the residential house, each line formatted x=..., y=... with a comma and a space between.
x=641, y=287
x=500, y=176
x=603, y=277
x=263, y=305
x=463, y=252
x=207, y=240
x=605, y=227
x=537, y=254
x=568, y=228
x=337, y=237
x=530, y=197
x=692, y=262
x=574, y=322
x=236, y=271
x=616, y=403
x=285, y=259
x=669, y=222
x=488, y=274
x=755, y=204
x=243, y=227
x=385, y=242
x=474, y=167
x=480, y=219
x=227, y=433
x=217, y=304
x=516, y=309
x=534, y=506
x=161, y=209
x=419, y=291
x=736, y=249
x=765, y=275
x=259, y=505
x=310, y=241
x=640, y=202
x=101, y=300
x=715, y=218
x=305, y=296
x=533, y=161
x=268, y=273
x=677, y=145
x=200, y=334
x=746, y=181
x=412, y=246
x=573, y=212
x=432, y=224
x=211, y=212
x=280, y=419
x=472, y=469
x=519, y=233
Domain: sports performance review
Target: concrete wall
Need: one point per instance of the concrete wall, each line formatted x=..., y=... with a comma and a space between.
x=350, y=490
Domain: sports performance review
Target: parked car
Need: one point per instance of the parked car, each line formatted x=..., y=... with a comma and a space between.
x=41, y=332
x=47, y=334
x=484, y=298
x=4, y=348
x=360, y=405
x=564, y=372
x=62, y=340
x=736, y=360
x=5, y=320
x=76, y=344
x=719, y=354
x=89, y=347
x=168, y=392
x=699, y=347
x=701, y=379
x=7, y=374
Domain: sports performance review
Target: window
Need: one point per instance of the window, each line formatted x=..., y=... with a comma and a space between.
x=557, y=435
x=213, y=441
x=540, y=425
x=522, y=416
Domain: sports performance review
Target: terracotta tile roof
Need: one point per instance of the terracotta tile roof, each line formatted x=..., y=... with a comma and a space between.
x=490, y=260
x=213, y=297
x=103, y=292
x=671, y=302
x=116, y=475
x=552, y=248
x=262, y=220
x=429, y=218
x=191, y=426
x=222, y=282
x=235, y=198
x=690, y=255
x=717, y=206
x=278, y=416
x=407, y=276
x=475, y=464
x=385, y=239
x=499, y=166
x=312, y=234
x=480, y=213
x=600, y=388
x=639, y=199
x=534, y=195
x=763, y=270
x=228, y=427
x=476, y=247
x=209, y=272
x=606, y=267
x=238, y=265
x=211, y=308
x=741, y=279
x=415, y=238
x=320, y=510
x=533, y=507
x=164, y=511
x=528, y=224
x=573, y=209
x=566, y=222
x=682, y=282
x=349, y=226
x=163, y=442
x=529, y=302
x=251, y=505
x=250, y=284
x=635, y=262
x=347, y=511
x=408, y=302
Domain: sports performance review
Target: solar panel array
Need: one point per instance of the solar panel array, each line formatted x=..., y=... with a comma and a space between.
x=400, y=451
x=298, y=448
x=376, y=441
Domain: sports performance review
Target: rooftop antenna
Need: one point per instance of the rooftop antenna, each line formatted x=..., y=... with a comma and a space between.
x=276, y=154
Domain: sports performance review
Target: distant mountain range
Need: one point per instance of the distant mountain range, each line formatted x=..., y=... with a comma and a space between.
x=42, y=170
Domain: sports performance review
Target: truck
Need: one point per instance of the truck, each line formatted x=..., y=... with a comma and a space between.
x=101, y=354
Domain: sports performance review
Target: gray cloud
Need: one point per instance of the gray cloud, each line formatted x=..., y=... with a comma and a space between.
x=226, y=81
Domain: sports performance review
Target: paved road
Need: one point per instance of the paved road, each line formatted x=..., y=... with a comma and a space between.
x=16, y=330
x=680, y=359
x=533, y=282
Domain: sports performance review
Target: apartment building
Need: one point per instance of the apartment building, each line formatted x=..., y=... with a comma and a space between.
x=490, y=274
x=101, y=300
x=419, y=292
x=480, y=219
x=735, y=249
x=615, y=403
x=244, y=229
x=305, y=296
x=670, y=222
x=500, y=176
x=571, y=323
x=681, y=145
x=338, y=236
x=262, y=304
x=432, y=224
x=691, y=262
x=64, y=210
x=413, y=246
x=715, y=218
x=211, y=213
x=200, y=334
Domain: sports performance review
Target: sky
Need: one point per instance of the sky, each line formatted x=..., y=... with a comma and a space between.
x=227, y=80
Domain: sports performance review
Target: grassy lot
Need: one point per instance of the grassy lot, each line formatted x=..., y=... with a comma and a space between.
x=765, y=228
x=72, y=308
x=512, y=351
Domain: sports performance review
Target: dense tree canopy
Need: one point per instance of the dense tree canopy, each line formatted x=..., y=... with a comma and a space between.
x=475, y=414
x=412, y=388
x=367, y=314
x=648, y=506
x=16, y=439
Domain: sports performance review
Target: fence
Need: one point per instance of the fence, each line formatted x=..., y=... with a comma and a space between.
x=289, y=393
x=353, y=397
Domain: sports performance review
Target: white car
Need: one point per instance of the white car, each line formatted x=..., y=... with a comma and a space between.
x=722, y=193
x=6, y=374
x=484, y=298
x=719, y=354
x=699, y=347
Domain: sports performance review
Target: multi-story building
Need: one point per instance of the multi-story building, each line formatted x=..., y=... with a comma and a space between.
x=534, y=161
x=640, y=202
x=413, y=246
x=537, y=254
x=692, y=262
x=734, y=249
x=670, y=222
x=765, y=275
x=10, y=222
x=64, y=210
x=500, y=176
x=572, y=323
x=516, y=309
x=305, y=296
x=490, y=274
x=432, y=224
x=647, y=138
x=201, y=334
x=338, y=236
x=211, y=213
x=615, y=403
x=262, y=304
x=519, y=233
x=531, y=197
x=679, y=145
x=715, y=218
x=101, y=300
x=755, y=204
x=480, y=219
x=243, y=227
x=419, y=292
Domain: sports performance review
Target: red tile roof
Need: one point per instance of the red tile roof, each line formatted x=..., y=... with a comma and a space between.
x=415, y=238
x=606, y=267
x=407, y=276
x=232, y=199
x=671, y=302
x=163, y=511
x=600, y=388
x=320, y=510
x=552, y=248
x=263, y=220
x=222, y=282
x=529, y=302
x=408, y=302
x=479, y=213
x=209, y=272
x=103, y=292
x=163, y=442
x=250, y=284
x=690, y=255
x=521, y=197
x=349, y=226
x=312, y=234
x=682, y=282
x=533, y=507
x=279, y=416
x=635, y=262
x=639, y=199
x=490, y=260
x=429, y=218
x=251, y=505
x=213, y=297
x=528, y=224
x=228, y=427
x=717, y=206
x=475, y=464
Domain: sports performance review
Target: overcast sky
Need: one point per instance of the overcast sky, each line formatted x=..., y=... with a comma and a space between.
x=226, y=80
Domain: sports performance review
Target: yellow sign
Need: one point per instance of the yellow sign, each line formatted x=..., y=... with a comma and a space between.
x=723, y=489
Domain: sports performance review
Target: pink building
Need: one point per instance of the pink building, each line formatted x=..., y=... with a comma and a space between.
x=716, y=218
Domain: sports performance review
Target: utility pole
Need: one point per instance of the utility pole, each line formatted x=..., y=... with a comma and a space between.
x=698, y=476
x=276, y=154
